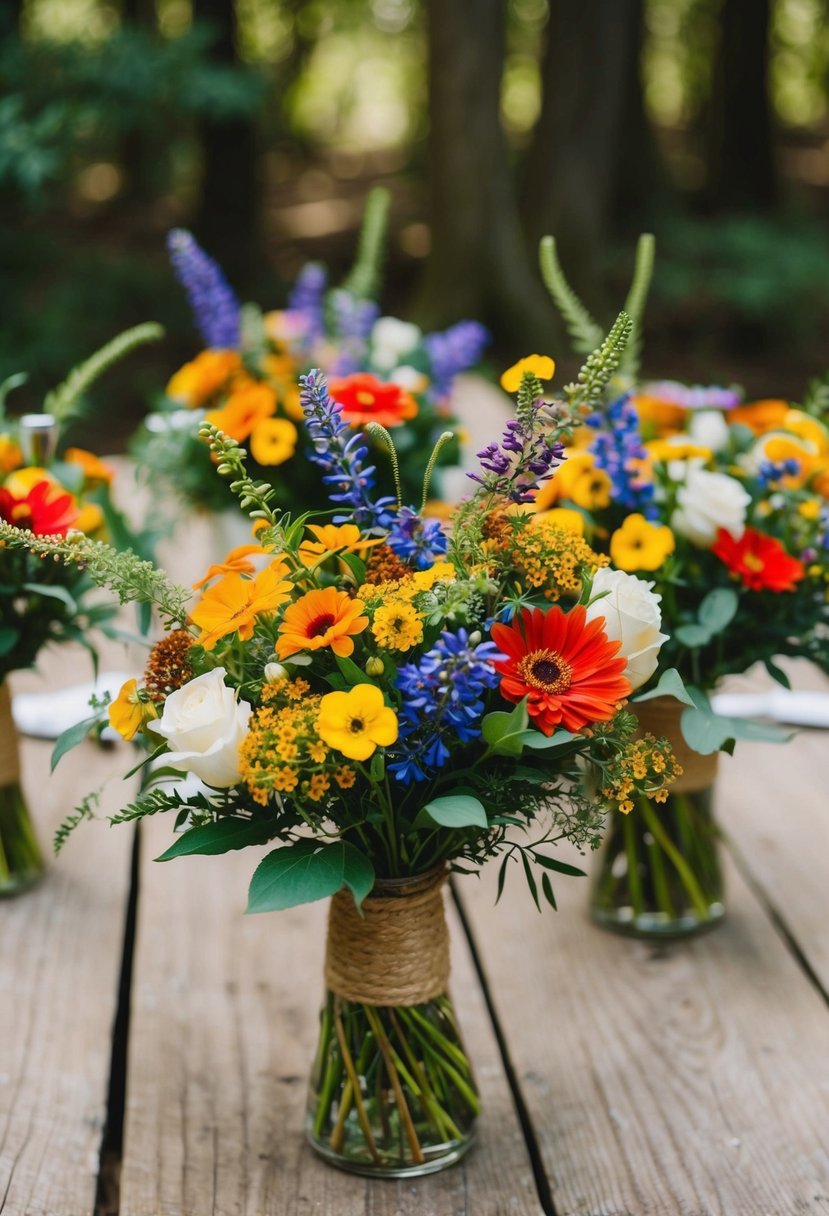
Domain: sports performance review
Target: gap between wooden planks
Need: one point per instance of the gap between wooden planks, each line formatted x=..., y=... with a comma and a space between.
x=223, y=1029
x=60, y=961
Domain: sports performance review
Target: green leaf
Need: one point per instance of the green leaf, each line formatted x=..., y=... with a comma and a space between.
x=8, y=638
x=377, y=768
x=296, y=874
x=777, y=673
x=72, y=737
x=547, y=888
x=707, y=732
x=561, y=867
x=220, y=837
x=356, y=565
x=53, y=592
x=692, y=636
x=531, y=883
x=162, y=747
x=718, y=609
x=542, y=743
x=670, y=684
x=351, y=673
x=503, y=731
x=453, y=811
x=358, y=872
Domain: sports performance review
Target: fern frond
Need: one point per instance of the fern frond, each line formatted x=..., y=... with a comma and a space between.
x=635, y=303
x=585, y=393
x=816, y=401
x=585, y=333
x=60, y=402
x=364, y=279
x=84, y=810
x=151, y=802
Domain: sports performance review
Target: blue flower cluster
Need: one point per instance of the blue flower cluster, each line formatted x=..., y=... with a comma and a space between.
x=771, y=471
x=215, y=307
x=526, y=456
x=417, y=541
x=352, y=320
x=341, y=453
x=453, y=351
x=616, y=449
x=442, y=695
x=307, y=297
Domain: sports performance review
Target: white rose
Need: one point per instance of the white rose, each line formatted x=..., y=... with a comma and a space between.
x=708, y=502
x=632, y=616
x=390, y=340
x=709, y=429
x=204, y=725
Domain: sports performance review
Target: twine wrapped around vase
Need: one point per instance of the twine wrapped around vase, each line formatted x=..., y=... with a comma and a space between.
x=396, y=950
x=9, y=757
x=661, y=717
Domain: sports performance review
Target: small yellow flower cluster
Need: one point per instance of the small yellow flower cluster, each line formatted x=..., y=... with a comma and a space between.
x=547, y=555
x=397, y=625
x=646, y=766
x=407, y=587
x=283, y=752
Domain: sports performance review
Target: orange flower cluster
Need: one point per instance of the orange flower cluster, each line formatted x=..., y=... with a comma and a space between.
x=648, y=764
x=545, y=554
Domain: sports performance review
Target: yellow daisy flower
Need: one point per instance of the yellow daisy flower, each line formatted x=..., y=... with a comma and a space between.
x=641, y=545
x=273, y=441
x=397, y=625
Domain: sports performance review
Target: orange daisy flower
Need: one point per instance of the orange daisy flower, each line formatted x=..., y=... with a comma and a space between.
x=321, y=618
x=234, y=603
x=330, y=539
x=759, y=561
x=250, y=403
x=44, y=509
x=194, y=384
x=566, y=667
x=93, y=467
x=760, y=416
x=237, y=562
x=364, y=398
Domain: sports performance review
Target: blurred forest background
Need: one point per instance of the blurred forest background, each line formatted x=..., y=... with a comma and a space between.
x=261, y=124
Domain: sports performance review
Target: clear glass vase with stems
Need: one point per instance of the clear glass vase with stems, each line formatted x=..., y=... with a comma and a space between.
x=392, y=1092
x=21, y=861
x=659, y=873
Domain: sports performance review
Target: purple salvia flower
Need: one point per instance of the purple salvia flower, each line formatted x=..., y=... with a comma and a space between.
x=215, y=308
x=307, y=298
x=352, y=320
x=526, y=457
x=453, y=351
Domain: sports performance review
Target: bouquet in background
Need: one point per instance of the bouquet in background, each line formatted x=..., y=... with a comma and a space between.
x=379, y=697
x=380, y=370
x=48, y=489
x=722, y=510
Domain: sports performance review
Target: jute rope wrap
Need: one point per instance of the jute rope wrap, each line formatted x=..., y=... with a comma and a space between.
x=9, y=759
x=661, y=717
x=397, y=952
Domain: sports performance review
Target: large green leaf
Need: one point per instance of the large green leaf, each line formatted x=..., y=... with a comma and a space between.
x=53, y=592
x=503, y=731
x=670, y=684
x=72, y=737
x=220, y=837
x=307, y=871
x=718, y=609
x=453, y=811
x=8, y=639
x=543, y=743
x=707, y=732
x=351, y=673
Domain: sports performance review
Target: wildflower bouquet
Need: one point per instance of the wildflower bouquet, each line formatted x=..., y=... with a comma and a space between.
x=381, y=697
x=380, y=369
x=720, y=509
x=46, y=489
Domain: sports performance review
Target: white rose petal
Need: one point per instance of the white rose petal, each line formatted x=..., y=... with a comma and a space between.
x=204, y=725
x=632, y=616
x=709, y=429
x=708, y=502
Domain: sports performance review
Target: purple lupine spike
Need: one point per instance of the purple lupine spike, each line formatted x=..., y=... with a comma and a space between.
x=452, y=351
x=307, y=298
x=216, y=309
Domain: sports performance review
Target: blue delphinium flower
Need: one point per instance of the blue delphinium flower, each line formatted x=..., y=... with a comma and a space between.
x=771, y=471
x=215, y=308
x=525, y=458
x=352, y=320
x=307, y=297
x=616, y=449
x=442, y=698
x=417, y=541
x=341, y=453
x=452, y=351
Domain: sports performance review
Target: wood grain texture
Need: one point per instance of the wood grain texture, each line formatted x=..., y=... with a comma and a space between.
x=224, y=1021
x=671, y=1080
x=60, y=960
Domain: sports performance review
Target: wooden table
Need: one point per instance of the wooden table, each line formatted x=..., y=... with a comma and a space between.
x=155, y=1043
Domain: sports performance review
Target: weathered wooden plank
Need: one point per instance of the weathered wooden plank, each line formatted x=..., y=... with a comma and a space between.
x=223, y=1028
x=60, y=960
x=689, y=1078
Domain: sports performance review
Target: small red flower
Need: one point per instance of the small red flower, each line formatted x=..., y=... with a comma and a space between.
x=759, y=561
x=45, y=509
x=364, y=398
x=566, y=667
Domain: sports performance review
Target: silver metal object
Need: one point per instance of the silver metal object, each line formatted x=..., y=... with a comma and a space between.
x=38, y=437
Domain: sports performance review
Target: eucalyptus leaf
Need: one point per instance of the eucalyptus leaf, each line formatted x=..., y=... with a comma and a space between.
x=535, y=740
x=670, y=684
x=718, y=609
x=692, y=636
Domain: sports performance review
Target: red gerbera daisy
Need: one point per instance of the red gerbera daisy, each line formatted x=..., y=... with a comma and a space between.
x=566, y=667
x=45, y=510
x=759, y=561
x=364, y=398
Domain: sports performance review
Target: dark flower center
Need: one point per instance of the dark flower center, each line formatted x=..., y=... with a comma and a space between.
x=320, y=625
x=356, y=726
x=546, y=671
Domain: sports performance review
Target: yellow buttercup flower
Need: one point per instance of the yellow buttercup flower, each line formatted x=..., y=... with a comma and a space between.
x=273, y=441
x=541, y=366
x=356, y=722
x=131, y=710
x=810, y=509
x=641, y=545
x=578, y=481
x=397, y=625
x=565, y=518
x=667, y=449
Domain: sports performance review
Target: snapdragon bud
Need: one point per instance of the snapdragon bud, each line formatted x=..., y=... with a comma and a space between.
x=275, y=672
x=475, y=637
x=374, y=666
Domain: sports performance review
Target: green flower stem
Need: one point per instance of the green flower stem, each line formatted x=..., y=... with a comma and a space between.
x=680, y=864
x=634, y=878
x=405, y=1114
x=21, y=861
x=354, y=1082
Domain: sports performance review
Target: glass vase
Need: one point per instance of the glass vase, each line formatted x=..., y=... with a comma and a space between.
x=392, y=1092
x=21, y=861
x=659, y=873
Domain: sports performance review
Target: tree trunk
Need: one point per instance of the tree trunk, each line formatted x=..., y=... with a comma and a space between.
x=741, y=172
x=573, y=164
x=479, y=265
x=227, y=224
